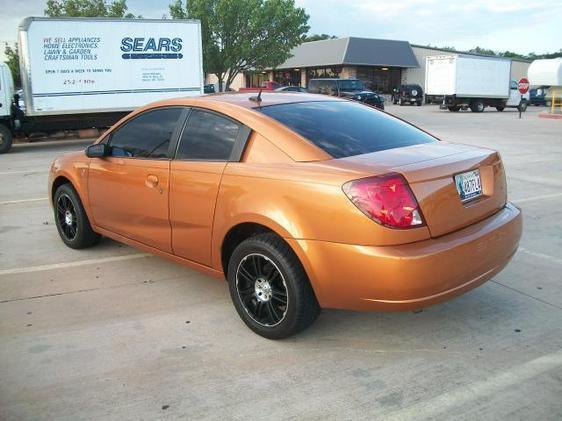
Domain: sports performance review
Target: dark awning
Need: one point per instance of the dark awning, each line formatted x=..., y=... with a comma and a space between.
x=352, y=51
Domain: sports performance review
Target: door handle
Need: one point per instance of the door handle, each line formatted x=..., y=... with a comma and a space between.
x=151, y=181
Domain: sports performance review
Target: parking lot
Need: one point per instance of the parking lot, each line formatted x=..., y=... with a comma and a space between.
x=113, y=333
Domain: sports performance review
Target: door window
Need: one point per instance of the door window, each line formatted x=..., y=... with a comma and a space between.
x=207, y=136
x=146, y=136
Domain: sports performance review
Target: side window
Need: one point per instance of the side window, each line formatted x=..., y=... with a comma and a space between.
x=207, y=136
x=146, y=136
x=513, y=84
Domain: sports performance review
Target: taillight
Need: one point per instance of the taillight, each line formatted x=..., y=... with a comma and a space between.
x=386, y=199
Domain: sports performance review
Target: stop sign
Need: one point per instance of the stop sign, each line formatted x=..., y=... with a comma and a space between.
x=523, y=85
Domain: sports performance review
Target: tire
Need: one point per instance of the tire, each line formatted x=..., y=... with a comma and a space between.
x=477, y=106
x=5, y=139
x=500, y=109
x=523, y=106
x=454, y=109
x=269, y=287
x=72, y=222
x=401, y=102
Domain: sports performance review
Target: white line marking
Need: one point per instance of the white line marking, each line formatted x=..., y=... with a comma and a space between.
x=24, y=172
x=532, y=199
x=15, y=202
x=541, y=255
x=41, y=268
x=444, y=403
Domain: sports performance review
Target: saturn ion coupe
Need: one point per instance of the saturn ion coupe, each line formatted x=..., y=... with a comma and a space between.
x=300, y=201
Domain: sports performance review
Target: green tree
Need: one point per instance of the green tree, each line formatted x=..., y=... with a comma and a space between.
x=317, y=37
x=12, y=60
x=87, y=8
x=242, y=35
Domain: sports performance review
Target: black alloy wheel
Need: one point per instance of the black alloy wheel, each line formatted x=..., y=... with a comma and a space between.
x=66, y=217
x=71, y=219
x=262, y=289
x=270, y=288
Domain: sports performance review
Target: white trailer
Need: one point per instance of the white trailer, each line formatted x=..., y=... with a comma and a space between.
x=89, y=72
x=472, y=81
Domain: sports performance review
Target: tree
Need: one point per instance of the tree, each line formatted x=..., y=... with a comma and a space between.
x=12, y=60
x=317, y=37
x=242, y=35
x=88, y=8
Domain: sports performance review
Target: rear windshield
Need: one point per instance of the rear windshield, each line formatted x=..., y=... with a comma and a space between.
x=345, y=128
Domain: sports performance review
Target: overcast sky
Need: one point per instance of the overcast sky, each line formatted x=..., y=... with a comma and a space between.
x=522, y=26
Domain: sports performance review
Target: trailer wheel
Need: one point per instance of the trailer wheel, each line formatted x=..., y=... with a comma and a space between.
x=454, y=109
x=477, y=106
x=500, y=108
x=5, y=139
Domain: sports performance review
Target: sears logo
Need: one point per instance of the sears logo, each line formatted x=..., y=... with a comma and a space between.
x=151, y=48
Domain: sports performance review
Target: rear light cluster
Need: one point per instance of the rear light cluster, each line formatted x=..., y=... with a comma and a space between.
x=386, y=199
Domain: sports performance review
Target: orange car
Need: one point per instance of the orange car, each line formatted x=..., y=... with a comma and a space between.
x=300, y=201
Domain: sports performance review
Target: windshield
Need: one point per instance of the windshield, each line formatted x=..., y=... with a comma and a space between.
x=345, y=128
x=351, y=85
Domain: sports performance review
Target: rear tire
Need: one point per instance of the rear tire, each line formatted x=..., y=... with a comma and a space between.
x=477, y=106
x=70, y=217
x=500, y=109
x=5, y=139
x=269, y=287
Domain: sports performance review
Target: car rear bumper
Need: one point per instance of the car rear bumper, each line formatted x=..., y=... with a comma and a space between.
x=413, y=275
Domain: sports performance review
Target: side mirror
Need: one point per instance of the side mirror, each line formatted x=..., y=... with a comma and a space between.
x=97, y=151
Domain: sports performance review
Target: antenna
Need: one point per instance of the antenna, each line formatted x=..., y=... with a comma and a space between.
x=257, y=98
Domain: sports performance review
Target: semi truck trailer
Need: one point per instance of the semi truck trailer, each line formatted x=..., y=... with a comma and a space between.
x=80, y=73
x=475, y=82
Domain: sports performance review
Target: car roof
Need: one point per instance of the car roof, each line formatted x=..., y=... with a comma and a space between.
x=242, y=99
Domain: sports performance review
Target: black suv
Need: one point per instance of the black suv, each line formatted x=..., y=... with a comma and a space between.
x=346, y=88
x=407, y=94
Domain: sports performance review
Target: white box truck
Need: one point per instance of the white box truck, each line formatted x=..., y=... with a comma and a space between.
x=475, y=82
x=89, y=72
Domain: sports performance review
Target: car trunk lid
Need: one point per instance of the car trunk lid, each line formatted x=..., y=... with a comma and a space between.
x=430, y=170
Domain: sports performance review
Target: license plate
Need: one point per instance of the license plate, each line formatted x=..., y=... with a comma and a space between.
x=468, y=185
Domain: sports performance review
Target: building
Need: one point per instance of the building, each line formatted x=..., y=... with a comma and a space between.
x=381, y=64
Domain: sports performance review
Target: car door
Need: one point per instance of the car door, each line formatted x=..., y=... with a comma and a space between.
x=129, y=190
x=207, y=143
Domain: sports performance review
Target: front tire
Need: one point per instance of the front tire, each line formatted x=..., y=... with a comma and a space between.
x=70, y=217
x=5, y=139
x=269, y=287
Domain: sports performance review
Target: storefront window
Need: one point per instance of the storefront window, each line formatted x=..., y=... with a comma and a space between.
x=324, y=72
x=380, y=79
x=287, y=77
x=256, y=80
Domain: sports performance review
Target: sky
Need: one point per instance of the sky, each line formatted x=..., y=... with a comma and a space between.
x=522, y=26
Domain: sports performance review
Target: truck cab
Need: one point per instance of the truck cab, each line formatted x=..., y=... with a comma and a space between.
x=6, y=95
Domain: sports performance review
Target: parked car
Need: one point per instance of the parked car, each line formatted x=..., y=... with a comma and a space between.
x=300, y=201
x=407, y=94
x=346, y=88
x=291, y=89
x=537, y=96
x=209, y=89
